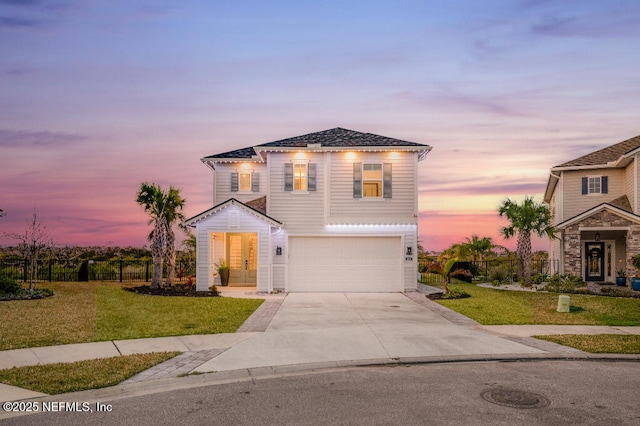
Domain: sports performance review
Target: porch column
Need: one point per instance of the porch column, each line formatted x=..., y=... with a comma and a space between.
x=633, y=248
x=572, y=251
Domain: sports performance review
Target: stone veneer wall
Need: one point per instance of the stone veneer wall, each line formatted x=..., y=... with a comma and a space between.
x=603, y=220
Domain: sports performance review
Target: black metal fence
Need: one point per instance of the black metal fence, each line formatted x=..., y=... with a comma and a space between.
x=90, y=270
x=488, y=270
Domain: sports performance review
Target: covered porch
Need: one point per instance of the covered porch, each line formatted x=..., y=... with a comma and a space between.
x=598, y=244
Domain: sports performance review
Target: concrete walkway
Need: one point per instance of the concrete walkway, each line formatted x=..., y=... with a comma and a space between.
x=321, y=329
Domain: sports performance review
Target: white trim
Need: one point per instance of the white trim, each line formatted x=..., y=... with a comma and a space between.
x=603, y=228
x=630, y=216
x=373, y=163
x=594, y=177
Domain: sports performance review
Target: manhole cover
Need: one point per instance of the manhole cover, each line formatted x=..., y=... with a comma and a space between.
x=515, y=398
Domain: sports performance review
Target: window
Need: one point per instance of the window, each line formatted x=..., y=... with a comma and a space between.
x=372, y=180
x=593, y=185
x=300, y=176
x=245, y=181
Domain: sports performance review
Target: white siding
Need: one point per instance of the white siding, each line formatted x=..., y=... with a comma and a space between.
x=215, y=225
x=343, y=208
x=299, y=212
x=222, y=182
x=575, y=203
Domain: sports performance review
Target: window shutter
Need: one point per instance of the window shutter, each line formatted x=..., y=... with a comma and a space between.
x=386, y=180
x=585, y=186
x=255, y=182
x=357, y=180
x=288, y=176
x=311, y=177
x=234, y=182
x=604, y=180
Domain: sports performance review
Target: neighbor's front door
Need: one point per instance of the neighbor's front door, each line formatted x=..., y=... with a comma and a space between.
x=594, y=254
x=242, y=255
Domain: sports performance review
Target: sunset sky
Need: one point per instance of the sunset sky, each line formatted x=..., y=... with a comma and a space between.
x=97, y=97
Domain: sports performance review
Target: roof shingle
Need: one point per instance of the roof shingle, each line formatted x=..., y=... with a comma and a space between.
x=336, y=137
x=605, y=155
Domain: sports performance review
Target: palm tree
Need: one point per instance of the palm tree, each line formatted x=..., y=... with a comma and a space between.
x=174, y=204
x=479, y=247
x=444, y=268
x=164, y=210
x=525, y=218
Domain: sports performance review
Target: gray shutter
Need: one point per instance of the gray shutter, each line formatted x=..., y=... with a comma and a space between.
x=357, y=180
x=585, y=186
x=255, y=182
x=234, y=182
x=311, y=182
x=386, y=180
x=604, y=181
x=288, y=176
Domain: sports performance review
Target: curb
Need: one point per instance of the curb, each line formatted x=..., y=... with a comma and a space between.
x=131, y=390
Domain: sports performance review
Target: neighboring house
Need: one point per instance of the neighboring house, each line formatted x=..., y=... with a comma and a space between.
x=331, y=211
x=595, y=204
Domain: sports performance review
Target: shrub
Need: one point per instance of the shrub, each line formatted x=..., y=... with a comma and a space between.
x=22, y=294
x=499, y=276
x=566, y=284
x=538, y=278
x=9, y=286
x=620, y=292
x=455, y=293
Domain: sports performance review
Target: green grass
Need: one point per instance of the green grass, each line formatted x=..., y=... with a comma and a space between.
x=491, y=307
x=96, y=311
x=126, y=315
x=82, y=375
x=598, y=344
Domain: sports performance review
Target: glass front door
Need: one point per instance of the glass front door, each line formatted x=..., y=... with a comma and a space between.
x=594, y=254
x=242, y=256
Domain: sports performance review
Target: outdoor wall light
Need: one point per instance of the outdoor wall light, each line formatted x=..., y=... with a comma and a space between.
x=597, y=235
x=278, y=251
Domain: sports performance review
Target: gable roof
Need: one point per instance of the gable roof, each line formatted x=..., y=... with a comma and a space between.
x=332, y=138
x=605, y=155
x=231, y=202
x=600, y=207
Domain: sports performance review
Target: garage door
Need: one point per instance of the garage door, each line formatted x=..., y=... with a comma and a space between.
x=344, y=264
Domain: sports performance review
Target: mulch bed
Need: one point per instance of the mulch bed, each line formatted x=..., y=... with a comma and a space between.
x=171, y=291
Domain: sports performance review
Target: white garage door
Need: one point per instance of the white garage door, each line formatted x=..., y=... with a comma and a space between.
x=344, y=264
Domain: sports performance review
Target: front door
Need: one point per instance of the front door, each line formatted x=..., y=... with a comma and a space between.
x=594, y=254
x=242, y=255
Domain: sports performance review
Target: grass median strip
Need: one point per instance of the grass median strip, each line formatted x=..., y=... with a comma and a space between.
x=82, y=375
x=97, y=311
x=598, y=344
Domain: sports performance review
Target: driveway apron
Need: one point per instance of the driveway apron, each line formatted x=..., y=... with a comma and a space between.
x=335, y=327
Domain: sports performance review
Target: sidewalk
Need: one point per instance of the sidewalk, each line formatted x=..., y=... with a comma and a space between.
x=346, y=330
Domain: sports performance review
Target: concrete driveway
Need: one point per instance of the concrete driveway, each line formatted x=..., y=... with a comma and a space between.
x=338, y=327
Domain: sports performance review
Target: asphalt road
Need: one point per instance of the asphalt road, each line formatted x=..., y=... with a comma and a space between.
x=536, y=393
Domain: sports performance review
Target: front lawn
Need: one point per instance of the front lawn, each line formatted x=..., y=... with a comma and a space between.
x=82, y=375
x=598, y=344
x=492, y=307
x=81, y=312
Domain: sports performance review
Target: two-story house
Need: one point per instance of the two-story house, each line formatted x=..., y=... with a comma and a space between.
x=332, y=211
x=595, y=204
